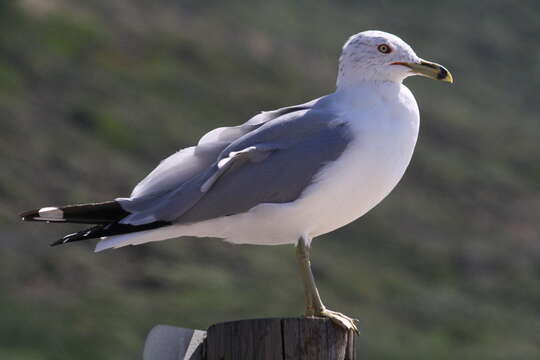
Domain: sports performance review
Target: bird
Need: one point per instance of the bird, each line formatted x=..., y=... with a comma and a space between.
x=285, y=176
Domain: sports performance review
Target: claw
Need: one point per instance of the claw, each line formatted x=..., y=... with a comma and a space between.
x=340, y=320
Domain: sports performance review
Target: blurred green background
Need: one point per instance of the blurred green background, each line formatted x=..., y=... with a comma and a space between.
x=94, y=93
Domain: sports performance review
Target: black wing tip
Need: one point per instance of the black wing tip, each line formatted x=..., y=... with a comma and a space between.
x=105, y=230
x=81, y=235
x=29, y=215
x=58, y=242
x=91, y=213
x=66, y=239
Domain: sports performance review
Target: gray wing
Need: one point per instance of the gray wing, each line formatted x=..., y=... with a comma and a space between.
x=187, y=163
x=272, y=164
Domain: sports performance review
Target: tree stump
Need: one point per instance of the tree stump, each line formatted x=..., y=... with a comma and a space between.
x=256, y=339
x=279, y=339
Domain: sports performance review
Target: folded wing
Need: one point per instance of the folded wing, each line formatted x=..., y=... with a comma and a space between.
x=272, y=163
x=186, y=163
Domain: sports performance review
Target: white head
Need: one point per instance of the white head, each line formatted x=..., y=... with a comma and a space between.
x=380, y=56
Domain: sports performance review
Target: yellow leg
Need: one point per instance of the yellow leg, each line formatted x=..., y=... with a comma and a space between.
x=314, y=305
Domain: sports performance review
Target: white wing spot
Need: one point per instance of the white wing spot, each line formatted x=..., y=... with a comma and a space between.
x=51, y=213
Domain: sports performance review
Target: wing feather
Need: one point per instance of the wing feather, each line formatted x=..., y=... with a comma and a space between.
x=186, y=163
x=272, y=163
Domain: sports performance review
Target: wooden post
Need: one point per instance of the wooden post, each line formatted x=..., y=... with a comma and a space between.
x=255, y=339
x=279, y=339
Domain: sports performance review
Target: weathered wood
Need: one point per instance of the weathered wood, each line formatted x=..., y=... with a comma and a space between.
x=279, y=339
x=256, y=339
x=245, y=340
x=316, y=338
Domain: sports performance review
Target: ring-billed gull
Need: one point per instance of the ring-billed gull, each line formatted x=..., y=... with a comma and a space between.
x=285, y=176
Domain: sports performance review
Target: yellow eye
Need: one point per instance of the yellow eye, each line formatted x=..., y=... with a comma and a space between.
x=385, y=49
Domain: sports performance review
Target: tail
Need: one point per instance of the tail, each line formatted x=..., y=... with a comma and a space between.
x=106, y=216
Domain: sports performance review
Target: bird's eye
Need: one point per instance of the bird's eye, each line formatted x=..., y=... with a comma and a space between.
x=385, y=49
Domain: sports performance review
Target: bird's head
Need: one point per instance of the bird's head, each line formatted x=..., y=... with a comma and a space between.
x=380, y=56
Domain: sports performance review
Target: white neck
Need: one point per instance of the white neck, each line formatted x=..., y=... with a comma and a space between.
x=367, y=88
x=345, y=80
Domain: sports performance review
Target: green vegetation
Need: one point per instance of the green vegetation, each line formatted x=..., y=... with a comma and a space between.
x=94, y=93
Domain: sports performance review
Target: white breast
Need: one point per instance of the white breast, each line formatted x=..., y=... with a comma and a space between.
x=384, y=130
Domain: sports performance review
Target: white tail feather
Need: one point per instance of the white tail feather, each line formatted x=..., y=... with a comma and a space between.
x=137, y=238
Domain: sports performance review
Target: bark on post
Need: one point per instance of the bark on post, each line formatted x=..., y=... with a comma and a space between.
x=279, y=339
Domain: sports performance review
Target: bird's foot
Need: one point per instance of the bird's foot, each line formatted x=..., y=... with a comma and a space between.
x=339, y=319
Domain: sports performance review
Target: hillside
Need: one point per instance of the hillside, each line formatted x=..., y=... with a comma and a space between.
x=94, y=94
